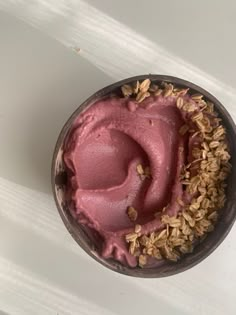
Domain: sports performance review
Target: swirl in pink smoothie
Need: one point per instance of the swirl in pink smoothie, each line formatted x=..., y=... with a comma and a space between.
x=104, y=146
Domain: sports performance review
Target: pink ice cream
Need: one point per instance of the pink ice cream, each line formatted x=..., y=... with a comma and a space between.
x=106, y=143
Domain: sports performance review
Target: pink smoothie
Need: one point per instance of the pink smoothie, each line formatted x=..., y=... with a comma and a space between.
x=106, y=143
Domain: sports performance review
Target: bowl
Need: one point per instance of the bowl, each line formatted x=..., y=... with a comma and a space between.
x=86, y=239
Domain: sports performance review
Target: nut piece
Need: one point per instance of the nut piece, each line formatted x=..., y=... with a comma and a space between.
x=132, y=247
x=183, y=92
x=168, y=89
x=132, y=213
x=126, y=90
x=131, y=237
x=142, y=260
x=141, y=96
x=180, y=102
x=136, y=87
x=144, y=86
x=140, y=169
x=196, y=97
x=137, y=228
x=144, y=173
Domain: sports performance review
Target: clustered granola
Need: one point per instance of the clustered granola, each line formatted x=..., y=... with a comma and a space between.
x=204, y=178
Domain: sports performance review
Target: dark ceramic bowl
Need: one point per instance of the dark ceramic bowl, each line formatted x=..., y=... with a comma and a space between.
x=88, y=241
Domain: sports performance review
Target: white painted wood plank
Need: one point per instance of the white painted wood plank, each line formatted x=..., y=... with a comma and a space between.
x=42, y=270
x=40, y=263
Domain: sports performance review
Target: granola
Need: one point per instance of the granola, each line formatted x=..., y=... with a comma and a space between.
x=204, y=178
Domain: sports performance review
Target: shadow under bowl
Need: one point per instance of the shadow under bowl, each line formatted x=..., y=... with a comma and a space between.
x=89, y=241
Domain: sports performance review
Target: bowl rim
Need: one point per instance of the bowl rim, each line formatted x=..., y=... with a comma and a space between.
x=76, y=230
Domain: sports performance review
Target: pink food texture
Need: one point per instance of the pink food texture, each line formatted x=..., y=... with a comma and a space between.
x=104, y=146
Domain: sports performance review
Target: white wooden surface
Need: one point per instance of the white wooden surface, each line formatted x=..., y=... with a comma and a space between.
x=42, y=270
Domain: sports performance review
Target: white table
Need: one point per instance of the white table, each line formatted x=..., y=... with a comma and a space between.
x=42, y=270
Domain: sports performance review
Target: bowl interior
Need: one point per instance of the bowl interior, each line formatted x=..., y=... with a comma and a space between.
x=89, y=241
